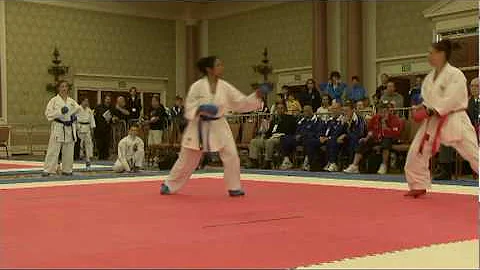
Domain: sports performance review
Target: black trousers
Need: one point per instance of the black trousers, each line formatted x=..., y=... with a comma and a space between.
x=102, y=142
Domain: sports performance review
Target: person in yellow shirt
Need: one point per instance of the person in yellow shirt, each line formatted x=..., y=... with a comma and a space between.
x=293, y=105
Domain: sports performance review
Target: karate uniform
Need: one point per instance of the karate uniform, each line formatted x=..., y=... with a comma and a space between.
x=449, y=97
x=215, y=135
x=62, y=134
x=354, y=131
x=131, y=153
x=85, y=125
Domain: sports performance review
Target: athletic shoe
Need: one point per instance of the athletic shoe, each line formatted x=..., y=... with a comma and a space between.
x=382, y=169
x=88, y=166
x=286, y=164
x=351, y=169
x=415, y=193
x=236, y=193
x=45, y=174
x=67, y=174
x=164, y=189
x=326, y=167
x=332, y=168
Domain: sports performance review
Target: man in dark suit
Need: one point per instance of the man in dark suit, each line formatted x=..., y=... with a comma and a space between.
x=134, y=105
x=282, y=125
x=473, y=104
x=103, y=129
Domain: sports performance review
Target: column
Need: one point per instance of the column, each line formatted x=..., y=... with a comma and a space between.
x=369, y=20
x=320, y=56
x=334, y=35
x=192, y=51
x=3, y=64
x=203, y=36
x=180, y=58
x=354, y=39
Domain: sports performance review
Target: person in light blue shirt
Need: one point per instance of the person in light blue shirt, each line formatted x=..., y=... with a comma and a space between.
x=356, y=92
x=415, y=94
x=334, y=88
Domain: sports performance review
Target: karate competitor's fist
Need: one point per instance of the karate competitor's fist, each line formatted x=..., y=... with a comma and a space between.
x=208, y=109
x=64, y=110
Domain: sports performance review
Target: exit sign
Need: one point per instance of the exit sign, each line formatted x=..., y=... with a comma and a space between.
x=406, y=67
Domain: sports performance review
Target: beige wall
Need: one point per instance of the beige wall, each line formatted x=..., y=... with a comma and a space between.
x=286, y=29
x=402, y=29
x=89, y=42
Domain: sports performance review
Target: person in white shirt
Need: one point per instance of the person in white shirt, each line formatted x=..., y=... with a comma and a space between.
x=61, y=112
x=131, y=152
x=85, y=126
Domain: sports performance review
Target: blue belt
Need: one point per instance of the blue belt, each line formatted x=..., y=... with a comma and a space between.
x=202, y=119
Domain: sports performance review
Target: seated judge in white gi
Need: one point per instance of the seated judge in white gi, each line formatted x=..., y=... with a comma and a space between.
x=208, y=131
x=131, y=152
x=61, y=112
x=85, y=126
x=443, y=118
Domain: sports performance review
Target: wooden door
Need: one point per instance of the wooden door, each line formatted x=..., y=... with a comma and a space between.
x=467, y=54
x=90, y=94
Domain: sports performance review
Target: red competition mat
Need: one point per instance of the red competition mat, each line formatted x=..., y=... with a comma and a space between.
x=275, y=225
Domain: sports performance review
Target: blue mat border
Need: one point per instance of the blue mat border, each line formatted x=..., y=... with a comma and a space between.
x=161, y=174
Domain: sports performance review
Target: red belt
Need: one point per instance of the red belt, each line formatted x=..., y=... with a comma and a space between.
x=436, y=139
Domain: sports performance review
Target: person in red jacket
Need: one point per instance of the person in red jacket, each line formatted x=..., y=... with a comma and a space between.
x=383, y=130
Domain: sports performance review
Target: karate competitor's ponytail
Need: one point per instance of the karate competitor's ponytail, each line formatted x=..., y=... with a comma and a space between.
x=446, y=46
x=206, y=62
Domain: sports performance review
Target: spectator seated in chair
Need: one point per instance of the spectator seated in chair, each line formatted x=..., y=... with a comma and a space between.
x=335, y=129
x=282, y=125
x=384, y=130
x=307, y=128
x=355, y=129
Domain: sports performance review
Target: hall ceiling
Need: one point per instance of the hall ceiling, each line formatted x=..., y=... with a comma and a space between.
x=167, y=9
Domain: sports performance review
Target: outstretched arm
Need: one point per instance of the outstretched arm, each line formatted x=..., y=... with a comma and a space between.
x=242, y=103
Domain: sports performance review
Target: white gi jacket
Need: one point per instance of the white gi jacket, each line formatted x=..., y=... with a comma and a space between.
x=448, y=95
x=227, y=98
x=59, y=131
x=130, y=151
x=85, y=116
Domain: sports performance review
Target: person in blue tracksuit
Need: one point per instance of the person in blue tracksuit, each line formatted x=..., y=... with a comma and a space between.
x=356, y=92
x=334, y=88
x=415, y=94
x=355, y=129
x=335, y=127
x=307, y=128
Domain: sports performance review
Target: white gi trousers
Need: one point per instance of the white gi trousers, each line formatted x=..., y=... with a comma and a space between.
x=86, y=144
x=417, y=169
x=188, y=161
x=54, y=146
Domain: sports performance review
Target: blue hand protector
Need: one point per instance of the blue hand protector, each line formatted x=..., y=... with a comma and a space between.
x=65, y=110
x=265, y=88
x=211, y=109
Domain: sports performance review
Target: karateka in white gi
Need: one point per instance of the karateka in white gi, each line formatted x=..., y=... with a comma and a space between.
x=85, y=126
x=208, y=131
x=61, y=112
x=131, y=152
x=444, y=120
